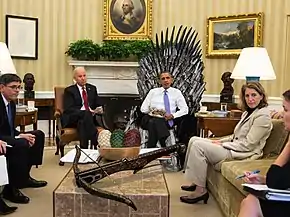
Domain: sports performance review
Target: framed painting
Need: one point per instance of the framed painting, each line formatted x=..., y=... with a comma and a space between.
x=127, y=19
x=22, y=37
x=228, y=35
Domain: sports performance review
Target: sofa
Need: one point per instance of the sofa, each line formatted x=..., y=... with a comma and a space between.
x=228, y=191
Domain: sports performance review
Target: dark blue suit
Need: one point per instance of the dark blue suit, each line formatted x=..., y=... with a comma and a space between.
x=83, y=120
x=21, y=156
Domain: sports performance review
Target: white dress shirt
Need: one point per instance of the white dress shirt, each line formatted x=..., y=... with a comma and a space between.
x=81, y=93
x=155, y=100
x=6, y=103
x=6, y=106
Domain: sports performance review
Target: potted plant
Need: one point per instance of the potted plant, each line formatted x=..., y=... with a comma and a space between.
x=140, y=48
x=114, y=50
x=124, y=50
x=84, y=50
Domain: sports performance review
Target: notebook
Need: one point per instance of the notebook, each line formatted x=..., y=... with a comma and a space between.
x=263, y=192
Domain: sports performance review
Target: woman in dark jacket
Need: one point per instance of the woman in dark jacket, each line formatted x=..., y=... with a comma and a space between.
x=277, y=177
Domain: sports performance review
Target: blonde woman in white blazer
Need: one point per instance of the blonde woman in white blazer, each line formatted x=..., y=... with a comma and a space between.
x=247, y=142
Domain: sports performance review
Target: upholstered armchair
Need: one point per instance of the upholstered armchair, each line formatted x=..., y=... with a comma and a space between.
x=65, y=136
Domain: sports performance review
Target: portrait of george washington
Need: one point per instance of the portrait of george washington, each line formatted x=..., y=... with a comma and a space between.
x=127, y=16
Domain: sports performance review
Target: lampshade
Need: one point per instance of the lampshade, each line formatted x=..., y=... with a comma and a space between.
x=254, y=64
x=6, y=64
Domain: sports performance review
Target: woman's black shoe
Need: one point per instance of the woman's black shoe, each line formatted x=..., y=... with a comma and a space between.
x=187, y=199
x=188, y=187
x=5, y=209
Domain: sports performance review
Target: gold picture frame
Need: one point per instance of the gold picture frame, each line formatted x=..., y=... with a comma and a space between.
x=228, y=35
x=127, y=19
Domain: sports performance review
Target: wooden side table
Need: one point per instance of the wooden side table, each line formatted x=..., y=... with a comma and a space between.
x=218, y=126
x=217, y=106
x=49, y=103
x=23, y=119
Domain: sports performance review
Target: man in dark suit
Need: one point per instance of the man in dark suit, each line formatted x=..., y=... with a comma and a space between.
x=81, y=103
x=27, y=148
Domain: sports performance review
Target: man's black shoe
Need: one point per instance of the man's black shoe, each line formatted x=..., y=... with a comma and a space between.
x=33, y=183
x=5, y=209
x=14, y=195
x=84, y=144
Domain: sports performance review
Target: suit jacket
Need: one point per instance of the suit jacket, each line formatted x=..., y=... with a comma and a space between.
x=4, y=123
x=72, y=100
x=250, y=135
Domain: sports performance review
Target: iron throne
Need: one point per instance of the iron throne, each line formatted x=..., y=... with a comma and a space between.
x=181, y=55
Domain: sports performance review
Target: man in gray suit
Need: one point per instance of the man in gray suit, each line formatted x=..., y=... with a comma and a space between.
x=247, y=142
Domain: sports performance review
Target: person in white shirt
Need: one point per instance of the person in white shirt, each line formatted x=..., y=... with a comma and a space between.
x=4, y=208
x=163, y=106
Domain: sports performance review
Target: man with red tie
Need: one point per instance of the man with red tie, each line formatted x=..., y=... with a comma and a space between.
x=81, y=102
x=163, y=106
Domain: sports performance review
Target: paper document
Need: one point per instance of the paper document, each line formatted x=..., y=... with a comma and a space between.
x=3, y=171
x=257, y=187
x=70, y=156
x=284, y=197
x=268, y=193
x=265, y=188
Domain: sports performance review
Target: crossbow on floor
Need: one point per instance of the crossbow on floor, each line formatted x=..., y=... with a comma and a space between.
x=86, y=178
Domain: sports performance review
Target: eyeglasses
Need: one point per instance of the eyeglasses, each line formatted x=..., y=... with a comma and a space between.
x=15, y=87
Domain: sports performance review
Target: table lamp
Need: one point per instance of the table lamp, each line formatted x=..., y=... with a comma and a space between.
x=6, y=63
x=254, y=64
x=7, y=66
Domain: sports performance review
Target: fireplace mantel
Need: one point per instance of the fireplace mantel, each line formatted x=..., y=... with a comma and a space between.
x=111, y=77
x=76, y=63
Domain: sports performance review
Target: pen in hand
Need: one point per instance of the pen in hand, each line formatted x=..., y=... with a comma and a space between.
x=243, y=176
x=9, y=146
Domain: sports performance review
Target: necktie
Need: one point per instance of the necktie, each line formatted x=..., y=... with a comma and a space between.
x=10, y=119
x=85, y=98
x=167, y=107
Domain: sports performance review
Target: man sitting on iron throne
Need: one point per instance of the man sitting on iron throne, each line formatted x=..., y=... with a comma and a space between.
x=175, y=55
x=160, y=107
